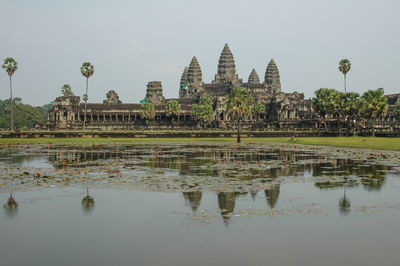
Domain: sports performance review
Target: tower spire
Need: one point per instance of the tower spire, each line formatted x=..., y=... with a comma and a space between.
x=194, y=72
x=272, y=78
x=183, y=83
x=253, y=78
x=226, y=67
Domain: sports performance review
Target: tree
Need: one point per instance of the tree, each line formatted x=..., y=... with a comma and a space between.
x=203, y=111
x=374, y=105
x=238, y=106
x=87, y=70
x=10, y=65
x=326, y=103
x=396, y=112
x=172, y=109
x=147, y=112
x=26, y=116
x=344, y=67
x=258, y=109
x=66, y=90
x=349, y=108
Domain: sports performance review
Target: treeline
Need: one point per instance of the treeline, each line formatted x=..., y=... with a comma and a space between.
x=350, y=107
x=25, y=115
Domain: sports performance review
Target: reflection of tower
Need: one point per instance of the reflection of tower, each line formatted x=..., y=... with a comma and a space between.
x=193, y=199
x=272, y=195
x=253, y=194
x=226, y=203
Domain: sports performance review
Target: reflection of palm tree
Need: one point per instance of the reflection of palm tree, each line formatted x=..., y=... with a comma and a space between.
x=344, y=204
x=11, y=207
x=375, y=178
x=226, y=203
x=272, y=195
x=87, y=202
x=193, y=199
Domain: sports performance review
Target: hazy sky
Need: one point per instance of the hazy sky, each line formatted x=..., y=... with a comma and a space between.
x=133, y=42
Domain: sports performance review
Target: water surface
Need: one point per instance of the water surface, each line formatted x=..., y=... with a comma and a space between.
x=198, y=204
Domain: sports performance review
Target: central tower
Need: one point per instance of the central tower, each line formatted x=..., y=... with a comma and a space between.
x=226, y=68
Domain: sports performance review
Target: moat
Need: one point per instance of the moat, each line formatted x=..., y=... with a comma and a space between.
x=198, y=204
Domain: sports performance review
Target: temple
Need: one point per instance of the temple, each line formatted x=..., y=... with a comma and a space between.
x=283, y=110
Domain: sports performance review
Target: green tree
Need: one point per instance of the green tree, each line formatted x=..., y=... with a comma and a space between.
x=147, y=112
x=344, y=67
x=374, y=105
x=87, y=70
x=26, y=115
x=66, y=90
x=238, y=106
x=203, y=111
x=10, y=65
x=258, y=109
x=172, y=109
x=326, y=103
x=349, y=108
x=396, y=112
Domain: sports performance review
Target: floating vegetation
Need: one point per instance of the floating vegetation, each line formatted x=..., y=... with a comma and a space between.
x=193, y=166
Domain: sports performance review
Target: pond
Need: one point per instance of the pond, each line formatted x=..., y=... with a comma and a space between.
x=198, y=204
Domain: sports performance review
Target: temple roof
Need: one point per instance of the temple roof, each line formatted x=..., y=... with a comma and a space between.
x=253, y=78
x=272, y=73
x=226, y=67
x=194, y=72
x=184, y=76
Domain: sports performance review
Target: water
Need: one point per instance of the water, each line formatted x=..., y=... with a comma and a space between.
x=197, y=204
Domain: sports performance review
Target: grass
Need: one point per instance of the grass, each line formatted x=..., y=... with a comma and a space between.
x=352, y=142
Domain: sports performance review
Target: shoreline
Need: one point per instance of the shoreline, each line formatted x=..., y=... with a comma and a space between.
x=372, y=143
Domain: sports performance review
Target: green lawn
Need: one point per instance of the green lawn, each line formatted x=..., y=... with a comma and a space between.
x=354, y=142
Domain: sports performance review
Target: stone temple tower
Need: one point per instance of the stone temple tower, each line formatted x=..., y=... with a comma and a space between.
x=194, y=78
x=226, y=68
x=154, y=93
x=184, y=77
x=253, y=78
x=272, y=79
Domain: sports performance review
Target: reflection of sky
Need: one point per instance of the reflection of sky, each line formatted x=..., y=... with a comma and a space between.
x=149, y=228
x=38, y=162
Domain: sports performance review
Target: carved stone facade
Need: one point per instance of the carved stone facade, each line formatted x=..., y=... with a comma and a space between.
x=282, y=109
x=154, y=93
x=112, y=98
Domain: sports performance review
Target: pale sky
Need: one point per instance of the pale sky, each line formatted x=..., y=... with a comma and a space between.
x=133, y=42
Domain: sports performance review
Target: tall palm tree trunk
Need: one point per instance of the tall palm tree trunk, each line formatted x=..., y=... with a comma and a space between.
x=84, y=118
x=344, y=83
x=11, y=106
x=238, y=132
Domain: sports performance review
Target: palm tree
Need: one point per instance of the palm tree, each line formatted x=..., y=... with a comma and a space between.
x=326, y=103
x=258, y=109
x=349, y=108
x=66, y=90
x=396, y=112
x=173, y=108
x=87, y=70
x=147, y=112
x=374, y=105
x=203, y=111
x=344, y=67
x=238, y=106
x=10, y=65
